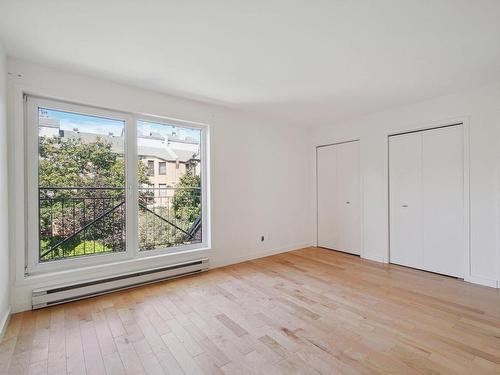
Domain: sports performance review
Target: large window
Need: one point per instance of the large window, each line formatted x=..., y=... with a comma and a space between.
x=91, y=165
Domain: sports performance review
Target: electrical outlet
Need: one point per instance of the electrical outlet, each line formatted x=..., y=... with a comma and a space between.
x=264, y=238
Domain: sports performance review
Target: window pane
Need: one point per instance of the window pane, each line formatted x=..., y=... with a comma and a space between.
x=162, y=168
x=151, y=168
x=169, y=213
x=163, y=190
x=81, y=185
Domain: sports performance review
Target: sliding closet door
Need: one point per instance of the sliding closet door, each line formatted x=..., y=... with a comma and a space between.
x=443, y=215
x=348, y=197
x=328, y=226
x=338, y=197
x=405, y=187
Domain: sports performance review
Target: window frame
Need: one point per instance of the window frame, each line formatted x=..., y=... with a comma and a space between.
x=33, y=265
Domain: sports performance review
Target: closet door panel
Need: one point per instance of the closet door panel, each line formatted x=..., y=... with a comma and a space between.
x=328, y=226
x=443, y=211
x=348, y=197
x=405, y=187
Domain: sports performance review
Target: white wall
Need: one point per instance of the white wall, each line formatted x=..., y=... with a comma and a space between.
x=260, y=170
x=4, y=223
x=481, y=108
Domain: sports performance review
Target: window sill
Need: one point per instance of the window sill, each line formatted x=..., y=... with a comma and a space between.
x=86, y=273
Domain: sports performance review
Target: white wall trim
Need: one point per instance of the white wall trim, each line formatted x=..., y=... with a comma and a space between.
x=497, y=216
x=483, y=281
x=4, y=322
x=375, y=258
x=218, y=262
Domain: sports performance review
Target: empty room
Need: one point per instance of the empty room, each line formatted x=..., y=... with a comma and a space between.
x=250, y=187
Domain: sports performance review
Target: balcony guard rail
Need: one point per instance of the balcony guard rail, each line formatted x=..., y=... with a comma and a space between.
x=77, y=221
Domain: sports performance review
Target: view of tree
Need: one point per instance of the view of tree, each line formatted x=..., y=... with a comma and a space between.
x=178, y=215
x=187, y=198
x=82, y=194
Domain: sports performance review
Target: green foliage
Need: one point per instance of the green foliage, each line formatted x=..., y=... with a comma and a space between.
x=74, y=248
x=155, y=232
x=178, y=216
x=142, y=173
x=187, y=199
x=70, y=163
x=66, y=163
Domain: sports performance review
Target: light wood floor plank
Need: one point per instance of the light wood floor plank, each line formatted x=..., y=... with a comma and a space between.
x=309, y=311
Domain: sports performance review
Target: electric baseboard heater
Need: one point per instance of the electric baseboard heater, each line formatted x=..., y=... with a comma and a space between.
x=45, y=297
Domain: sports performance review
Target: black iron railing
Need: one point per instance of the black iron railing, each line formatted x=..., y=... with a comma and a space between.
x=169, y=217
x=80, y=221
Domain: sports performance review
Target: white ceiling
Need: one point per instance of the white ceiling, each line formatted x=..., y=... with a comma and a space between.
x=302, y=60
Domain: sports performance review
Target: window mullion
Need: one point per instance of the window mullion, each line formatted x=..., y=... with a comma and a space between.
x=131, y=186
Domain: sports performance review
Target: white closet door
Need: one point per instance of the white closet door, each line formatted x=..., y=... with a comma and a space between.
x=338, y=197
x=327, y=197
x=443, y=211
x=405, y=186
x=348, y=197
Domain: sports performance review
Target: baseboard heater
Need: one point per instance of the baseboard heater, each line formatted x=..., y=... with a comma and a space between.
x=62, y=294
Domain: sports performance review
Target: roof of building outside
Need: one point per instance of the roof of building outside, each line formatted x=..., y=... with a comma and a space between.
x=166, y=152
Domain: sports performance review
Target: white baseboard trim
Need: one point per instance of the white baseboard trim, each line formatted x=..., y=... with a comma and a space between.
x=216, y=263
x=483, y=281
x=4, y=322
x=375, y=258
x=472, y=279
x=20, y=307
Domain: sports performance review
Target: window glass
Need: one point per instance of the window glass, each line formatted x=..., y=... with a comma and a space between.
x=172, y=215
x=151, y=168
x=81, y=185
x=162, y=168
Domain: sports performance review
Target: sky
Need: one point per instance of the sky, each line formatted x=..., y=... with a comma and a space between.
x=102, y=125
x=85, y=123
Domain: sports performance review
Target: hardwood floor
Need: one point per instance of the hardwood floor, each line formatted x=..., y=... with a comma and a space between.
x=309, y=311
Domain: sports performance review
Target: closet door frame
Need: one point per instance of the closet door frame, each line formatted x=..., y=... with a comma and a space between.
x=360, y=208
x=464, y=122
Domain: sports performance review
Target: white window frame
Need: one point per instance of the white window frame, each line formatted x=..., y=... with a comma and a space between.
x=33, y=265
